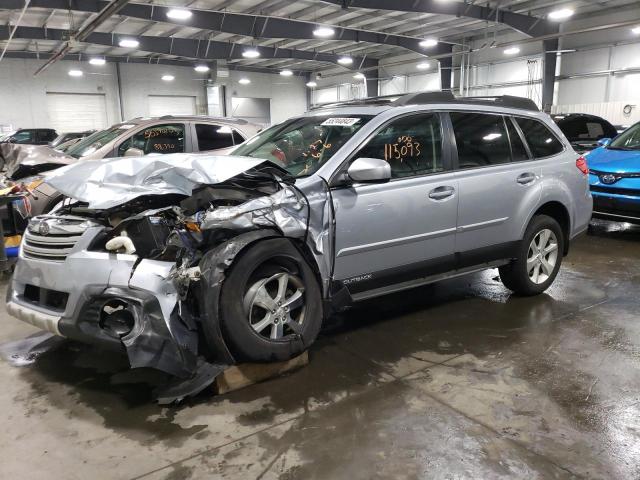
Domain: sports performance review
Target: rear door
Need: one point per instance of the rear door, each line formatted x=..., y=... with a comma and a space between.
x=213, y=138
x=395, y=232
x=498, y=182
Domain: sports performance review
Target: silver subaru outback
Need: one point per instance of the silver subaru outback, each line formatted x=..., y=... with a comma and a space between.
x=192, y=259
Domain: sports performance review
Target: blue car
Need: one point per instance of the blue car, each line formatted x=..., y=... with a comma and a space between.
x=614, y=177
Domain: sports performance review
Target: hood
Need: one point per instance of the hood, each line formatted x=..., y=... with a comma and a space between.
x=107, y=183
x=614, y=161
x=16, y=157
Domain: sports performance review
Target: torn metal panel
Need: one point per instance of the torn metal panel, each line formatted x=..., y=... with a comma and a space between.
x=286, y=210
x=213, y=266
x=108, y=183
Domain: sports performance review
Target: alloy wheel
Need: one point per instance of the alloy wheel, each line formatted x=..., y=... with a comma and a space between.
x=542, y=256
x=276, y=306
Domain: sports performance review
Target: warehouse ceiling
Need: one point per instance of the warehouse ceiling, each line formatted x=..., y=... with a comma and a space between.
x=282, y=31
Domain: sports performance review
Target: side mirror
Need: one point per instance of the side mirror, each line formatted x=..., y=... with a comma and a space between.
x=603, y=142
x=133, y=152
x=369, y=170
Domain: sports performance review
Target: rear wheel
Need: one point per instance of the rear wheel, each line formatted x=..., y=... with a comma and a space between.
x=539, y=258
x=271, y=305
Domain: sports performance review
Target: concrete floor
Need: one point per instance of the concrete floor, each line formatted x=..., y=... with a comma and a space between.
x=455, y=380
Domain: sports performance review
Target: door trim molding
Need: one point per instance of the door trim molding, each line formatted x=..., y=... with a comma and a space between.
x=394, y=242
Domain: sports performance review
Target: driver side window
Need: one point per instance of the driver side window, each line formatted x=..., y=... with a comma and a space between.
x=168, y=138
x=412, y=145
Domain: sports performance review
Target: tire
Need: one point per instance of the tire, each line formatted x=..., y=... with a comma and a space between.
x=520, y=275
x=255, y=333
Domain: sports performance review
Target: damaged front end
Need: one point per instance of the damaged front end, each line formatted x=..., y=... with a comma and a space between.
x=136, y=259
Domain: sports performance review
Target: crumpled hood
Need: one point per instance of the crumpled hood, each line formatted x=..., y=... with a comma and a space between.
x=614, y=161
x=16, y=155
x=107, y=183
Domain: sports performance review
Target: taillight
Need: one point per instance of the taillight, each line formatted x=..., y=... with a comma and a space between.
x=581, y=163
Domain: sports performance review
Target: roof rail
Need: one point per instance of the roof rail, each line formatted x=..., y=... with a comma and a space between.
x=424, y=97
x=445, y=96
x=510, y=101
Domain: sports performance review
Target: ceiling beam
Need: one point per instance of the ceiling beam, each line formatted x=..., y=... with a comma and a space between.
x=79, y=57
x=248, y=25
x=526, y=24
x=182, y=47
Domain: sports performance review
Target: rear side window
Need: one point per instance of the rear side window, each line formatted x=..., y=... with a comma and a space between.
x=518, y=151
x=45, y=136
x=481, y=139
x=542, y=141
x=412, y=145
x=213, y=137
x=237, y=138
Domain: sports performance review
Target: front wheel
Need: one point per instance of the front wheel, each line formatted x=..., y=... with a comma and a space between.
x=271, y=304
x=539, y=258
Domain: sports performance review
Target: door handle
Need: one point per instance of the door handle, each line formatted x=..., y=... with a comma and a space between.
x=440, y=193
x=526, y=178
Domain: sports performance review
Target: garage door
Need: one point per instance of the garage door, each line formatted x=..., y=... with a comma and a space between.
x=171, y=105
x=76, y=112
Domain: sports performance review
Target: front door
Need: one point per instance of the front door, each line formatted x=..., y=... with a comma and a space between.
x=389, y=233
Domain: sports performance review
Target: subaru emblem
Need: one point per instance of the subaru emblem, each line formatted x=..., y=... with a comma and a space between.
x=608, y=179
x=43, y=228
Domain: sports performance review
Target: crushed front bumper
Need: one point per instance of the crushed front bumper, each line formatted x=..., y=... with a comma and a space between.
x=67, y=297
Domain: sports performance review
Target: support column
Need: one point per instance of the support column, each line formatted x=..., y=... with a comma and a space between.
x=445, y=66
x=446, y=71
x=549, y=74
x=372, y=81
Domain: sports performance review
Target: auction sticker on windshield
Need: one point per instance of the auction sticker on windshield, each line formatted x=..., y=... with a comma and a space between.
x=340, y=122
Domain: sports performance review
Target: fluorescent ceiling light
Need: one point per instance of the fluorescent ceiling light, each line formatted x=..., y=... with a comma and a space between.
x=201, y=68
x=561, y=14
x=312, y=84
x=345, y=60
x=324, y=32
x=179, y=14
x=168, y=78
x=428, y=42
x=512, y=51
x=128, y=43
x=286, y=73
x=75, y=73
x=244, y=81
x=359, y=76
x=423, y=66
x=97, y=61
x=636, y=30
x=251, y=53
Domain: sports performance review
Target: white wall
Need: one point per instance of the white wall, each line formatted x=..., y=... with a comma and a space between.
x=140, y=80
x=288, y=94
x=23, y=96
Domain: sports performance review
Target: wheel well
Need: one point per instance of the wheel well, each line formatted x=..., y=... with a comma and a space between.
x=559, y=213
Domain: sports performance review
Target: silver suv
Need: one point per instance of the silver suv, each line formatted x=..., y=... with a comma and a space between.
x=197, y=260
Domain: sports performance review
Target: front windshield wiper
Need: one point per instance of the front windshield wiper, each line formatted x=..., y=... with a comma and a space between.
x=626, y=149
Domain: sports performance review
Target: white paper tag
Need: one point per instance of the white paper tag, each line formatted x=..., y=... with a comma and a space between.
x=340, y=122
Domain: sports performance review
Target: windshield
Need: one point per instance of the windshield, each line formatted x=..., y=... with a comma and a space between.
x=96, y=141
x=303, y=145
x=627, y=140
